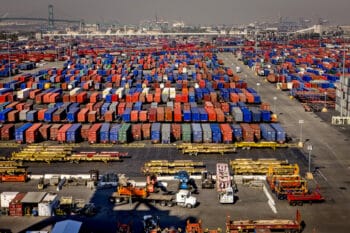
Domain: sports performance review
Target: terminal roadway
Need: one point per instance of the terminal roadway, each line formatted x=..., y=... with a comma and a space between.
x=330, y=147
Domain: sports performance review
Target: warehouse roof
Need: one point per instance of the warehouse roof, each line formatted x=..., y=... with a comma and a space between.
x=33, y=197
x=67, y=226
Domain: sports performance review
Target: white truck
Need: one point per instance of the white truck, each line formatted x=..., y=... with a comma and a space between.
x=227, y=196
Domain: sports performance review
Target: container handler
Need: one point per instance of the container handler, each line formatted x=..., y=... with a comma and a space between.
x=182, y=197
x=207, y=180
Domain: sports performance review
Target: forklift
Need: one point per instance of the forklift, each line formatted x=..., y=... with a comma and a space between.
x=207, y=180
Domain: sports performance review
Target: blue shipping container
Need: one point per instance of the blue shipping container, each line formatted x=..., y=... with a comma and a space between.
x=104, y=133
x=20, y=132
x=114, y=133
x=73, y=133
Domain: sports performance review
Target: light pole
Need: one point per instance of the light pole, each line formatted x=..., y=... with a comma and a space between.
x=324, y=109
x=309, y=149
x=301, y=122
x=274, y=104
x=257, y=87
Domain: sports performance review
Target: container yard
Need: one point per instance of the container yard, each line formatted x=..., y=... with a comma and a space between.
x=168, y=115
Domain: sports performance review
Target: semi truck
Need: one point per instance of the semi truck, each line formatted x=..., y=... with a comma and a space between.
x=181, y=198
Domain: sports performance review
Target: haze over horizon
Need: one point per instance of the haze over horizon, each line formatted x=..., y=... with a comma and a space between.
x=195, y=12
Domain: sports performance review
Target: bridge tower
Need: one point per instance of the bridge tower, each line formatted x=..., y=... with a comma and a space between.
x=50, y=18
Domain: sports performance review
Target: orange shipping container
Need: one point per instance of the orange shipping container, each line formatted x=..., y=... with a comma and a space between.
x=143, y=116
x=61, y=135
x=54, y=131
x=82, y=115
x=92, y=116
x=41, y=114
x=32, y=134
x=134, y=116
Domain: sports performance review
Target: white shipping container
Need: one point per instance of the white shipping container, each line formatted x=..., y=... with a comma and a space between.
x=23, y=94
x=120, y=92
x=145, y=90
x=23, y=115
x=6, y=198
x=75, y=91
x=105, y=92
x=172, y=93
x=46, y=206
x=165, y=91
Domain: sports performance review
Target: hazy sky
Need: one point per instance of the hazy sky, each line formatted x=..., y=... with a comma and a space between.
x=190, y=11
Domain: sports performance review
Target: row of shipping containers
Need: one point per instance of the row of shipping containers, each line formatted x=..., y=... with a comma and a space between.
x=28, y=203
x=106, y=112
x=156, y=132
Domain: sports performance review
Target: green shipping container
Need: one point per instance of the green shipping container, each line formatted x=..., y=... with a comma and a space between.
x=186, y=133
x=124, y=133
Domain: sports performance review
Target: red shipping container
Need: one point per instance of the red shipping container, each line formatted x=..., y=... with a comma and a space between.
x=90, y=106
x=220, y=117
x=92, y=116
x=73, y=98
x=82, y=97
x=177, y=115
x=146, y=131
x=143, y=116
x=97, y=108
x=46, y=98
x=160, y=114
x=20, y=106
x=34, y=93
x=28, y=106
x=226, y=132
x=121, y=108
x=134, y=116
x=152, y=115
x=257, y=131
x=15, y=205
x=109, y=116
x=54, y=131
x=61, y=135
x=248, y=132
x=136, y=132
x=176, y=131
x=178, y=98
x=156, y=97
x=32, y=134
x=82, y=115
x=44, y=132
x=149, y=98
x=54, y=98
x=234, y=97
x=39, y=98
x=7, y=132
x=41, y=114
x=66, y=98
x=94, y=131
x=84, y=131
x=168, y=114
x=95, y=97
x=211, y=114
x=13, y=116
x=142, y=98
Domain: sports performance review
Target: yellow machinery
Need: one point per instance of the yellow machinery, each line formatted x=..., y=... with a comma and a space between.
x=283, y=169
x=256, y=167
x=173, y=167
x=195, y=149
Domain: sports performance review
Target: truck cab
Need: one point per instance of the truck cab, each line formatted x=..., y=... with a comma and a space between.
x=184, y=198
x=227, y=196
